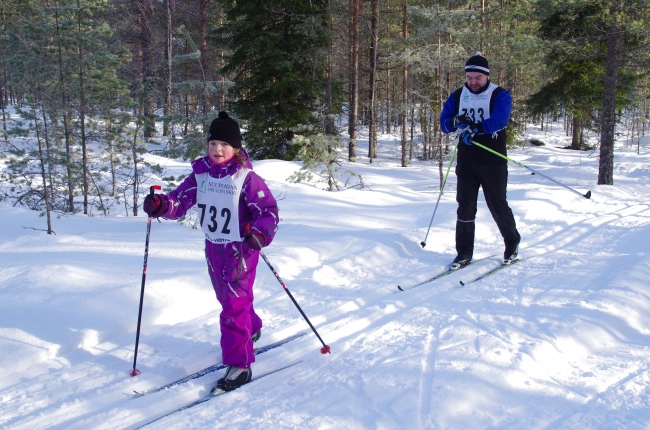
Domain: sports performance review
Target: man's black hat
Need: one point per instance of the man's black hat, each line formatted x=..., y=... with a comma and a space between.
x=225, y=129
x=477, y=63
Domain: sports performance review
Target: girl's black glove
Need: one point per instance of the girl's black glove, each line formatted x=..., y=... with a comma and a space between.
x=154, y=205
x=254, y=240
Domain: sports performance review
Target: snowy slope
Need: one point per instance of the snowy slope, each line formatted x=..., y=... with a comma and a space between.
x=561, y=340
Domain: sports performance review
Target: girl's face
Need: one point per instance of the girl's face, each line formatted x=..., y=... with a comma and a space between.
x=220, y=151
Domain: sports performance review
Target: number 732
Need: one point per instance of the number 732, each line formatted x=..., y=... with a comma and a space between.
x=214, y=225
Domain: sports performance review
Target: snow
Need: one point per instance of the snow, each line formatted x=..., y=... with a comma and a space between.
x=560, y=340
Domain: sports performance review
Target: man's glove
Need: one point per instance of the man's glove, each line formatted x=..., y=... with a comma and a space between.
x=255, y=240
x=466, y=136
x=154, y=205
x=461, y=120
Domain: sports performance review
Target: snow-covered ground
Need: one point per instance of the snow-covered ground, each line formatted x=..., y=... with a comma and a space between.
x=560, y=340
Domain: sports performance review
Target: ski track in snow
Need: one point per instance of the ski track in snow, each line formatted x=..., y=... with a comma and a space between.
x=561, y=340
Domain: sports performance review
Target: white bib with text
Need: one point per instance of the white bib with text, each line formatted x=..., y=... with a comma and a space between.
x=477, y=106
x=218, y=202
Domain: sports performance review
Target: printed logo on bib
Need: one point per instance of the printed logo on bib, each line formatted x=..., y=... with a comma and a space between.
x=219, y=188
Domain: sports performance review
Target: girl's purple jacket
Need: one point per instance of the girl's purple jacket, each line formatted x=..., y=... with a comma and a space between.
x=232, y=265
x=257, y=206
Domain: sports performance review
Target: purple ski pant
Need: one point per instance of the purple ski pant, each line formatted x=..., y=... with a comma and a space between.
x=232, y=270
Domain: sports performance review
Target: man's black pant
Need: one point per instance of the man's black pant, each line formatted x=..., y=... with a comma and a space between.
x=494, y=180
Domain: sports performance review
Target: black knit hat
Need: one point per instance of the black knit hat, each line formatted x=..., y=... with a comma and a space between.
x=225, y=129
x=477, y=63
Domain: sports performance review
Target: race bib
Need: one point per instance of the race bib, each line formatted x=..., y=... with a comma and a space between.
x=477, y=106
x=218, y=202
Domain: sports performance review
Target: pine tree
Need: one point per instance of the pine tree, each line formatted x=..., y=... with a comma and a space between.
x=279, y=65
x=320, y=155
x=628, y=37
x=576, y=84
x=592, y=45
x=32, y=171
x=97, y=85
x=193, y=144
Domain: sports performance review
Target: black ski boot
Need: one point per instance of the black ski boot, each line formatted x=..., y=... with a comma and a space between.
x=235, y=377
x=510, y=253
x=460, y=261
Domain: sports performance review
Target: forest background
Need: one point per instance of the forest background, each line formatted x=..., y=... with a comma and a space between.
x=99, y=83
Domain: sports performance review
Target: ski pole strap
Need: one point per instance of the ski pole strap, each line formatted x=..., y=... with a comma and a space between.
x=587, y=195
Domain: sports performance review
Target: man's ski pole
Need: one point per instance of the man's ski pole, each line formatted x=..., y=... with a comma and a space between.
x=442, y=187
x=587, y=195
x=325, y=349
x=135, y=371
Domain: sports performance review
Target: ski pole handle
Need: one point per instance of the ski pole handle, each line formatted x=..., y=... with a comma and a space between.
x=153, y=188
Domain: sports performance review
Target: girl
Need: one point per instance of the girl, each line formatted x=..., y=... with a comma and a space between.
x=239, y=216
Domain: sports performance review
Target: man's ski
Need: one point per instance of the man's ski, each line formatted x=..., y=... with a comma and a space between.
x=219, y=366
x=443, y=274
x=210, y=396
x=492, y=272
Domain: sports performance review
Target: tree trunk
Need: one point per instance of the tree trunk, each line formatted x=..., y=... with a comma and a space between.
x=66, y=116
x=222, y=64
x=82, y=116
x=374, y=24
x=438, y=131
x=353, y=76
x=204, y=50
x=134, y=147
x=405, y=100
x=329, y=120
x=43, y=172
x=388, y=98
x=168, y=94
x=2, y=105
x=606, y=164
x=412, y=129
x=424, y=127
x=111, y=152
x=576, y=140
x=136, y=179
x=148, y=109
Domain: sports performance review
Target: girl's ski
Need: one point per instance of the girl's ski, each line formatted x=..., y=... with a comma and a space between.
x=211, y=396
x=219, y=366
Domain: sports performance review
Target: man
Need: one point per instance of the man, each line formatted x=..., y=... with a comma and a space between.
x=481, y=110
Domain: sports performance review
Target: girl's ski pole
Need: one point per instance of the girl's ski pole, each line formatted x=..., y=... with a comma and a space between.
x=135, y=371
x=442, y=187
x=325, y=349
x=587, y=195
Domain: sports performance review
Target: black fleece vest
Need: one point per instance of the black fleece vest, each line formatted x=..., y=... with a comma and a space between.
x=475, y=155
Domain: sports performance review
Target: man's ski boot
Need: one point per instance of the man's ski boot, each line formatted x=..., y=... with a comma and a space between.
x=510, y=254
x=460, y=261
